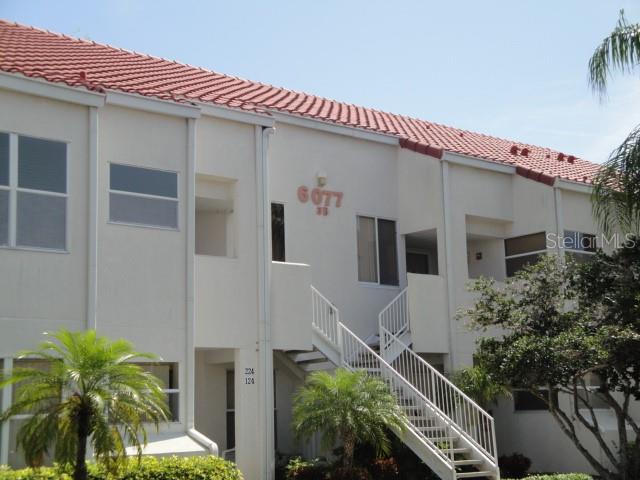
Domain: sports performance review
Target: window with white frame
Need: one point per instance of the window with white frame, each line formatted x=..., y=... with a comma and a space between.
x=4, y=189
x=167, y=372
x=580, y=246
x=524, y=250
x=377, y=251
x=231, y=411
x=143, y=196
x=33, y=192
x=15, y=423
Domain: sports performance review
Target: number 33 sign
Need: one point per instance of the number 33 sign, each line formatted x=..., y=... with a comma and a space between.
x=321, y=198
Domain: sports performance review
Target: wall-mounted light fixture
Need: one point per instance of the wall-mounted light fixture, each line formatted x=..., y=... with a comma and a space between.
x=321, y=178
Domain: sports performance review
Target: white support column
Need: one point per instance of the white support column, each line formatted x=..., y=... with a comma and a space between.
x=248, y=427
x=190, y=228
x=4, y=429
x=92, y=261
x=448, y=243
x=265, y=350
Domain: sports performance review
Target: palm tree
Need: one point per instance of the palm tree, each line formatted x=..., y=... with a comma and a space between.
x=89, y=393
x=616, y=193
x=478, y=384
x=349, y=407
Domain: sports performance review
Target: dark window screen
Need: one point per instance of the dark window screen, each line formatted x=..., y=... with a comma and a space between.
x=388, y=254
x=277, y=232
x=42, y=165
x=143, y=180
x=515, y=264
x=527, y=401
x=4, y=159
x=527, y=243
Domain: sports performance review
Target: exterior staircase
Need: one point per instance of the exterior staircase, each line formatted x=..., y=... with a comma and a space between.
x=445, y=428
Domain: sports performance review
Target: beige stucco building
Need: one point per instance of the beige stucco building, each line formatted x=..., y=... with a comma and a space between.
x=250, y=243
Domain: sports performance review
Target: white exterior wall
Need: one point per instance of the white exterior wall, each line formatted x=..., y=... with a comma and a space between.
x=32, y=297
x=227, y=288
x=367, y=174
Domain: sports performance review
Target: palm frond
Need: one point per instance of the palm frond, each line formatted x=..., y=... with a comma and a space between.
x=619, y=51
x=98, y=380
x=347, y=406
x=616, y=188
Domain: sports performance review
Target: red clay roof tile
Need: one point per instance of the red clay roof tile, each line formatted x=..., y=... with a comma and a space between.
x=80, y=63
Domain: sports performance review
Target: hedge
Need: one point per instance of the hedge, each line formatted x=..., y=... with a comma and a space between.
x=150, y=468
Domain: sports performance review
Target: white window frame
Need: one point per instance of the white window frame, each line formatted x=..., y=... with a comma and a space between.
x=377, y=253
x=14, y=189
x=167, y=391
x=144, y=195
x=574, y=250
x=525, y=254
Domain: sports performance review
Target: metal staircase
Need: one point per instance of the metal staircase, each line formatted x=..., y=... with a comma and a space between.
x=445, y=428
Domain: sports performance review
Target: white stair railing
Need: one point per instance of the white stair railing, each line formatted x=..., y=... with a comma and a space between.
x=326, y=316
x=393, y=320
x=421, y=415
x=471, y=420
x=395, y=316
x=434, y=403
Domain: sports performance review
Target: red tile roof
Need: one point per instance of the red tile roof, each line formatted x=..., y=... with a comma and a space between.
x=59, y=58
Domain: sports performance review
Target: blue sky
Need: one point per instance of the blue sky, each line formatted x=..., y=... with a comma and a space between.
x=511, y=68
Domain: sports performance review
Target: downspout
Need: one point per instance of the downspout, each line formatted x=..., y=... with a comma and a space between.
x=190, y=227
x=92, y=260
x=446, y=210
x=265, y=348
x=190, y=364
x=557, y=201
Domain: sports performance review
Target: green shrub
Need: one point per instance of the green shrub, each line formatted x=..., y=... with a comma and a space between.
x=299, y=469
x=168, y=468
x=32, y=474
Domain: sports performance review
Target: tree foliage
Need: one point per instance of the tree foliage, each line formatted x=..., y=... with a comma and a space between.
x=480, y=385
x=89, y=392
x=349, y=407
x=616, y=194
x=572, y=329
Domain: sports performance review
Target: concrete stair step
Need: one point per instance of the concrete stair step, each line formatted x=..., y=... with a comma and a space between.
x=317, y=366
x=430, y=429
x=483, y=473
x=460, y=450
x=467, y=461
x=444, y=439
x=307, y=356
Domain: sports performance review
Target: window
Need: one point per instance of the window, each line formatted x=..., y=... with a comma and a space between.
x=143, y=196
x=4, y=189
x=377, y=251
x=527, y=401
x=277, y=232
x=523, y=251
x=231, y=410
x=168, y=374
x=33, y=192
x=16, y=454
x=580, y=246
